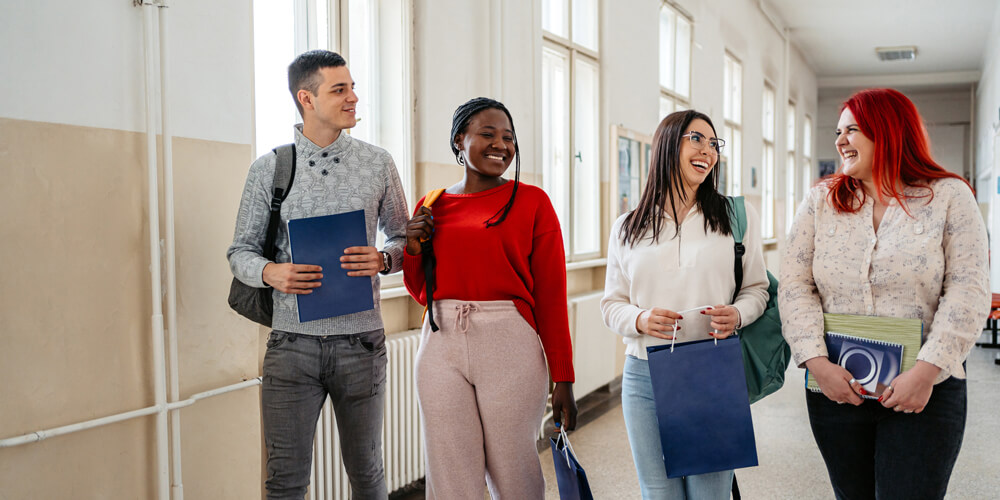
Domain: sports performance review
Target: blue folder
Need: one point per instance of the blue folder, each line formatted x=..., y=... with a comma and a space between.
x=321, y=241
x=702, y=407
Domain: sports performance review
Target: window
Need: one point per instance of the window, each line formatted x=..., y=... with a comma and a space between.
x=571, y=123
x=675, y=60
x=807, y=148
x=767, y=163
x=790, y=166
x=732, y=106
x=375, y=41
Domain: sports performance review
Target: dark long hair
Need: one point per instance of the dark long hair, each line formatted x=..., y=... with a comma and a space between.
x=460, y=122
x=664, y=184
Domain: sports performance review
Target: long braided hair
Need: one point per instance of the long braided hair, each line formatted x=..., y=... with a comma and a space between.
x=460, y=122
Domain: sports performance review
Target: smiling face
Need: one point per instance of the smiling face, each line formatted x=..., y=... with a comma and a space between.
x=487, y=144
x=856, y=150
x=334, y=103
x=695, y=165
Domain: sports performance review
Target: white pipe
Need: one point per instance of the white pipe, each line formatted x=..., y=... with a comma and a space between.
x=159, y=385
x=177, y=483
x=36, y=436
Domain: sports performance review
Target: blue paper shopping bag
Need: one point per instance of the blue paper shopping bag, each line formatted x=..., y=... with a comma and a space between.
x=570, y=476
x=700, y=391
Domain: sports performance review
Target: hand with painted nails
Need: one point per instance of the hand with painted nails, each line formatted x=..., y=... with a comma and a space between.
x=834, y=381
x=659, y=323
x=911, y=390
x=725, y=320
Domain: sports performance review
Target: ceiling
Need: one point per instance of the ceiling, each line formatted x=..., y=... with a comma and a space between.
x=838, y=38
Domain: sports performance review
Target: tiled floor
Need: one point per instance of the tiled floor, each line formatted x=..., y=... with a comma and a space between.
x=790, y=465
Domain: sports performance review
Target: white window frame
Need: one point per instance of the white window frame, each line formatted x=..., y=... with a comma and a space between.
x=769, y=121
x=326, y=24
x=675, y=94
x=732, y=129
x=570, y=219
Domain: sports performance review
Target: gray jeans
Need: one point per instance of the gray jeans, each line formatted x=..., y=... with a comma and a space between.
x=299, y=372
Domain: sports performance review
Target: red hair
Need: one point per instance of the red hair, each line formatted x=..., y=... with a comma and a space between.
x=901, y=151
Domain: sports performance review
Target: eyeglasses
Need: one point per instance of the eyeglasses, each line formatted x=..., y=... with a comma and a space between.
x=699, y=141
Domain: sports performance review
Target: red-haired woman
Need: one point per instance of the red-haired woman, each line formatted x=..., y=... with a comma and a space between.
x=891, y=234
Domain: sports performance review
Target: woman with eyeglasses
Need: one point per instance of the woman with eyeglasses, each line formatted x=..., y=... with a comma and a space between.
x=891, y=234
x=675, y=252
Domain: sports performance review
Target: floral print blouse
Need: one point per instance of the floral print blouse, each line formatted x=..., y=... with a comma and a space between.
x=930, y=264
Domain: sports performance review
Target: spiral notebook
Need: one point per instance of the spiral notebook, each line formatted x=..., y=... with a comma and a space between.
x=873, y=349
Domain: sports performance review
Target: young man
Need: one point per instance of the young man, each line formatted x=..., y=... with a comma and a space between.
x=343, y=356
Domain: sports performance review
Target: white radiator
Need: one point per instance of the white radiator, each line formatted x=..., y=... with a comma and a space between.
x=402, y=441
x=594, y=345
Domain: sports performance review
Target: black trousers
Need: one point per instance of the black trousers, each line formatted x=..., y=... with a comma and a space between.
x=873, y=452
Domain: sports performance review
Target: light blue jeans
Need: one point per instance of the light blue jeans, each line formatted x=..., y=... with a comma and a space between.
x=644, y=438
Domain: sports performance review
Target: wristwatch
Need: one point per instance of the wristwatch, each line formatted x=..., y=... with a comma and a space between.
x=386, y=262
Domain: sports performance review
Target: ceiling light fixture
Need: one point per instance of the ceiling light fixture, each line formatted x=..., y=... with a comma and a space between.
x=907, y=53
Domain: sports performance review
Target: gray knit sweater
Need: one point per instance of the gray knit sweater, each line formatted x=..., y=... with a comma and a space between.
x=344, y=176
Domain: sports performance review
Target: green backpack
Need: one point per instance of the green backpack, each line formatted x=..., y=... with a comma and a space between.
x=765, y=352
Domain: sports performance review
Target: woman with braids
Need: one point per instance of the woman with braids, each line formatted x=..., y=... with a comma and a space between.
x=891, y=234
x=498, y=287
x=674, y=252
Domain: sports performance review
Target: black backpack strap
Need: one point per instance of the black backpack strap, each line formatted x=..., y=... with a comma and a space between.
x=284, y=174
x=737, y=223
x=430, y=279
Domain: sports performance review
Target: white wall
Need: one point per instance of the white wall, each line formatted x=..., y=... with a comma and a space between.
x=81, y=63
x=987, y=131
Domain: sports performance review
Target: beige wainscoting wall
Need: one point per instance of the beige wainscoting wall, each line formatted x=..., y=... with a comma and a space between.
x=76, y=343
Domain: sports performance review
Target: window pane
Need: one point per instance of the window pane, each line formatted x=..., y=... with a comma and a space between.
x=727, y=85
x=790, y=127
x=807, y=137
x=768, y=114
x=361, y=61
x=682, y=72
x=585, y=23
x=789, y=190
x=555, y=133
x=666, y=106
x=667, y=47
x=555, y=17
x=736, y=168
x=731, y=154
x=586, y=164
x=322, y=25
x=807, y=176
x=274, y=49
x=767, y=198
x=737, y=92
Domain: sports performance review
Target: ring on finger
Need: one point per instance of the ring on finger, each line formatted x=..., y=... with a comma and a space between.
x=852, y=381
x=907, y=411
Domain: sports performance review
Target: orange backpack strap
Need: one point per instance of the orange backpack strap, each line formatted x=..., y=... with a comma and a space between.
x=432, y=196
x=429, y=200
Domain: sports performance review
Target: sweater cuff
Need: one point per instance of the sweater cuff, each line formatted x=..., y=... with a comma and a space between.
x=561, y=370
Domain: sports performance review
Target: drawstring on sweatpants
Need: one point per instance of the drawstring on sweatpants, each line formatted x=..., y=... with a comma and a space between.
x=462, y=319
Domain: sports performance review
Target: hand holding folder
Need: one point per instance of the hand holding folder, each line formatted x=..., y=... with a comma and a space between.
x=321, y=241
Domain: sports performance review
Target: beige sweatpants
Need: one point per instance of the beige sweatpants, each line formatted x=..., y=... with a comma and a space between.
x=482, y=387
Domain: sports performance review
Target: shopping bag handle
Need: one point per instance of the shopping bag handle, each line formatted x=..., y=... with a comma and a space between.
x=567, y=447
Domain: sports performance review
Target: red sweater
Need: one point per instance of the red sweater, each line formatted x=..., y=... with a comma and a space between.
x=520, y=260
